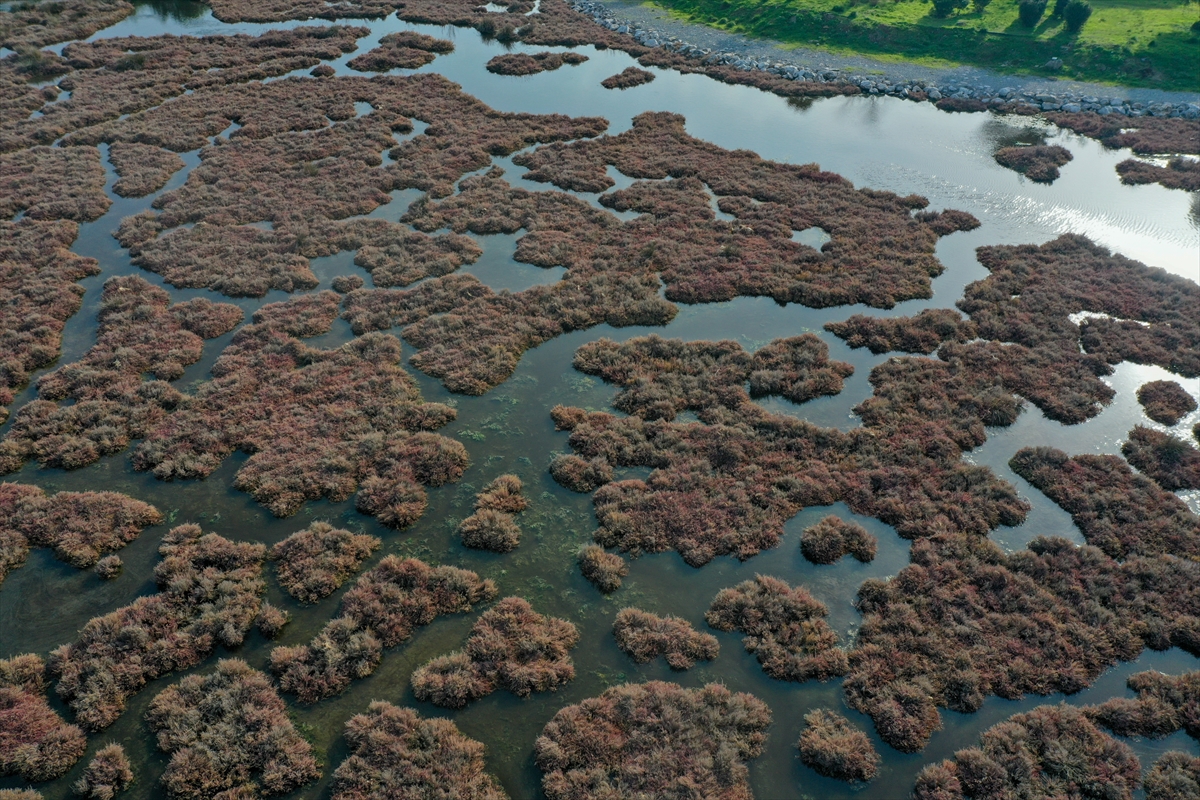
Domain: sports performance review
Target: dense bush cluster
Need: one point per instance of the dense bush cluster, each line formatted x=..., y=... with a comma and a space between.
x=963, y=621
x=229, y=732
x=1174, y=775
x=395, y=753
x=1164, y=704
x=1051, y=751
x=119, y=389
x=833, y=537
x=1117, y=510
x=1146, y=135
x=1179, y=173
x=532, y=63
x=107, y=774
x=315, y=562
x=651, y=740
x=924, y=333
x=142, y=168
x=784, y=626
x=35, y=743
x=108, y=568
x=645, y=637
x=382, y=609
x=1165, y=401
x=38, y=294
x=208, y=594
x=79, y=526
x=53, y=183
x=492, y=527
x=511, y=647
x=627, y=78
x=602, y=568
x=1037, y=162
x=835, y=748
x=1172, y=462
x=401, y=50
x=39, y=24
x=316, y=423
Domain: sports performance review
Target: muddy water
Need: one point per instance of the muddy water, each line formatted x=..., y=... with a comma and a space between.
x=881, y=143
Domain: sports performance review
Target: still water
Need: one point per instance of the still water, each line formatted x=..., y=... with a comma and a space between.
x=878, y=142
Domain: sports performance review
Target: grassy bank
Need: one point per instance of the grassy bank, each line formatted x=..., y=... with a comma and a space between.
x=1147, y=43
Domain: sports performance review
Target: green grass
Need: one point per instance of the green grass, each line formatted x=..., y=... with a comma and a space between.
x=1130, y=42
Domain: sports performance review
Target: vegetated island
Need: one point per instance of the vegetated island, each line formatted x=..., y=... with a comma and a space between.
x=645, y=636
x=836, y=749
x=1037, y=162
x=532, y=63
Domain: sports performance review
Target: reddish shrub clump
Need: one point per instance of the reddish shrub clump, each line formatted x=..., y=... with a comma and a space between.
x=115, y=401
x=1174, y=775
x=35, y=743
x=511, y=647
x=53, y=183
x=784, y=627
x=833, y=537
x=651, y=739
x=226, y=732
x=143, y=168
x=39, y=24
x=208, y=594
x=1179, y=173
x=1165, y=401
x=277, y=11
x=1117, y=510
x=382, y=609
x=79, y=526
x=1172, y=462
x=1164, y=704
x=627, y=78
x=1037, y=162
x=107, y=774
x=271, y=619
x=836, y=749
x=602, y=568
x=403, y=50
x=1051, y=751
x=645, y=637
x=531, y=64
x=579, y=475
x=492, y=527
x=317, y=423
x=1146, y=135
x=315, y=562
x=923, y=333
x=108, y=567
x=397, y=753
x=964, y=621
x=38, y=294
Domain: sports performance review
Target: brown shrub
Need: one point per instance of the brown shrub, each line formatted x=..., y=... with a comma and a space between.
x=627, y=78
x=836, y=749
x=1171, y=462
x=38, y=293
x=1051, y=751
x=79, y=526
x=403, y=50
x=645, y=637
x=1165, y=704
x=602, y=568
x=142, y=168
x=40, y=24
x=579, y=475
x=107, y=774
x=315, y=562
x=511, y=647
x=502, y=494
x=1145, y=135
x=109, y=567
x=784, y=628
x=1117, y=510
x=488, y=529
x=316, y=423
x=20, y=794
x=280, y=10
x=1037, y=162
x=344, y=284
x=35, y=743
x=1179, y=173
x=833, y=537
x=270, y=620
x=208, y=594
x=53, y=183
x=1165, y=401
x=382, y=609
x=395, y=752
x=115, y=399
x=226, y=730
x=619, y=744
x=1174, y=776
x=923, y=333
x=531, y=64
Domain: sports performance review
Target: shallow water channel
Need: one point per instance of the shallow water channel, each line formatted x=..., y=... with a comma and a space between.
x=878, y=142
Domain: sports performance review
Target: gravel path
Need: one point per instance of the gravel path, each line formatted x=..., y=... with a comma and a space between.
x=658, y=19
